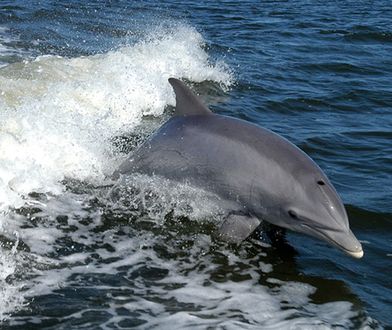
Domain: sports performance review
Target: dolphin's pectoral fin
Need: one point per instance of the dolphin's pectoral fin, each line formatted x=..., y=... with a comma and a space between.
x=276, y=235
x=187, y=103
x=277, y=238
x=238, y=227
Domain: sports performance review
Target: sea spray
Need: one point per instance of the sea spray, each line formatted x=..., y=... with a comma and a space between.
x=59, y=114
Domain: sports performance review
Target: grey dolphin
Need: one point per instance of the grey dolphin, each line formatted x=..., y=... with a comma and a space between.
x=261, y=175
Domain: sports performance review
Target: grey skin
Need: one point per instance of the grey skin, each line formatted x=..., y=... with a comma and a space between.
x=258, y=174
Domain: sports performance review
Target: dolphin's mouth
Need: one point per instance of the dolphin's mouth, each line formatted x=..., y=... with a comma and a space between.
x=345, y=241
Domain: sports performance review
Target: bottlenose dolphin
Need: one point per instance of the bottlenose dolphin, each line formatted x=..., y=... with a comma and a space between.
x=259, y=174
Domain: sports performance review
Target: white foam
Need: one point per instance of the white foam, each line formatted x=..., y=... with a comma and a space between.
x=58, y=115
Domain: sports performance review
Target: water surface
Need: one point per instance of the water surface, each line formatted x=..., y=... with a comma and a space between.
x=82, y=84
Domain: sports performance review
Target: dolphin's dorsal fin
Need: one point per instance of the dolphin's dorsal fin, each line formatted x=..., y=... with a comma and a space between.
x=187, y=103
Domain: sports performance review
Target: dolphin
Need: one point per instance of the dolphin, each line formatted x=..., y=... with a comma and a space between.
x=259, y=175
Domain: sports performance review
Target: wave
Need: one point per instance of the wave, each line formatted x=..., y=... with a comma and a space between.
x=369, y=34
x=59, y=114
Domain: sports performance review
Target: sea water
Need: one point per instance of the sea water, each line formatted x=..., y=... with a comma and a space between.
x=83, y=84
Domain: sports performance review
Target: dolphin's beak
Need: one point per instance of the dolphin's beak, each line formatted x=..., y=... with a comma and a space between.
x=344, y=240
x=348, y=243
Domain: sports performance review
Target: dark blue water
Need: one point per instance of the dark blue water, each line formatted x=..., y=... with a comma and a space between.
x=318, y=73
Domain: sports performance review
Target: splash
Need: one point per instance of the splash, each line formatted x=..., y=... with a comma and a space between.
x=58, y=115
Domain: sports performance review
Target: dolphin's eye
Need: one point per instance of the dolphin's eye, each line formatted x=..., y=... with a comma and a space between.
x=292, y=214
x=321, y=183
